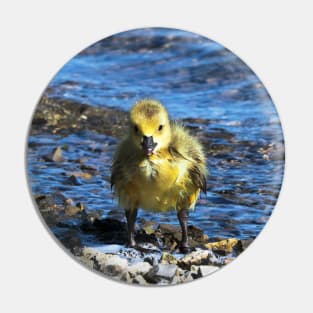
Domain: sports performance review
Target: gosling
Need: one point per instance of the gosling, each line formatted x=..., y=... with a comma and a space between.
x=159, y=166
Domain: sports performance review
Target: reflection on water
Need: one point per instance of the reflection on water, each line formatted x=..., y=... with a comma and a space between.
x=194, y=77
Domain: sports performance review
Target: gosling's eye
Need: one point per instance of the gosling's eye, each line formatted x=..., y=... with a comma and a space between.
x=160, y=127
x=136, y=129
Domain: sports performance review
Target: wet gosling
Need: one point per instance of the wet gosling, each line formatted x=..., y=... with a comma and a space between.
x=159, y=166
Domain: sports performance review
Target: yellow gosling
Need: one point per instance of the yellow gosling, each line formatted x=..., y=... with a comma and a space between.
x=159, y=166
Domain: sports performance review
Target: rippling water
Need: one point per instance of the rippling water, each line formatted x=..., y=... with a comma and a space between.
x=194, y=77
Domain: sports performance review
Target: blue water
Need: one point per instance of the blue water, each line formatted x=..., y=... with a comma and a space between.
x=195, y=78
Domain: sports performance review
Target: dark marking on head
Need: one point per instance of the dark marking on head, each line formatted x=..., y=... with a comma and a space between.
x=150, y=111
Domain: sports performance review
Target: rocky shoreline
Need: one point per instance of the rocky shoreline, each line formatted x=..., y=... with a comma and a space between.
x=64, y=117
x=156, y=260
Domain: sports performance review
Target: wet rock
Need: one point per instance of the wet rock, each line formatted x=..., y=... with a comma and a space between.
x=49, y=210
x=227, y=260
x=225, y=246
x=57, y=155
x=166, y=271
x=188, y=277
x=107, y=230
x=89, y=168
x=147, y=248
x=161, y=272
x=125, y=276
x=71, y=240
x=139, y=268
x=199, y=257
x=81, y=206
x=170, y=235
x=90, y=217
x=63, y=116
x=112, y=269
x=169, y=229
x=245, y=243
x=90, y=253
x=109, y=264
x=197, y=234
x=148, y=227
x=73, y=180
x=205, y=270
x=139, y=280
x=69, y=202
x=82, y=175
x=195, y=271
x=168, y=258
x=71, y=210
x=152, y=260
x=87, y=262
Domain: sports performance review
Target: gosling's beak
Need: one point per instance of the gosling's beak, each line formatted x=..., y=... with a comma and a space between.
x=148, y=145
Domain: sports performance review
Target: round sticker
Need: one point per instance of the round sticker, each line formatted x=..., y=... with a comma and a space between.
x=155, y=156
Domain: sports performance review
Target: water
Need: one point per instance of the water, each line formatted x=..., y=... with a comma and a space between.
x=194, y=77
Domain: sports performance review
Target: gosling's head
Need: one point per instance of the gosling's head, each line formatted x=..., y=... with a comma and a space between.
x=150, y=126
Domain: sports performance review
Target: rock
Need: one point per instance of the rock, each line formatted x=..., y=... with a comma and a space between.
x=73, y=180
x=71, y=210
x=170, y=235
x=207, y=269
x=199, y=257
x=197, y=234
x=148, y=227
x=63, y=115
x=112, y=265
x=228, y=260
x=195, y=271
x=151, y=260
x=89, y=168
x=69, y=202
x=176, y=280
x=147, y=247
x=126, y=277
x=71, y=241
x=139, y=280
x=90, y=253
x=168, y=258
x=109, y=264
x=49, y=210
x=161, y=272
x=87, y=262
x=81, y=206
x=187, y=277
x=81, y=175
x=226, y=245
x=107, y=230
x=245, y=243
x=139, y=268
x=169, y=228
x=57, y=155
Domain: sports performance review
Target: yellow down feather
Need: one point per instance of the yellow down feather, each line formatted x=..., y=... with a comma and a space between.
x=170, y=178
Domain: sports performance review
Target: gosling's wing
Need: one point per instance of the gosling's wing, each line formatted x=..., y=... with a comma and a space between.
x=186, y=146
x=198, y=177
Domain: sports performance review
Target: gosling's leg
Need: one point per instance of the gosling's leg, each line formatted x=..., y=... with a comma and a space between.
x=131, y=215
x=183, y=215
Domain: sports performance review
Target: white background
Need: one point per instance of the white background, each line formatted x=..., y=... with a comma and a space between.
x=274, y=38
